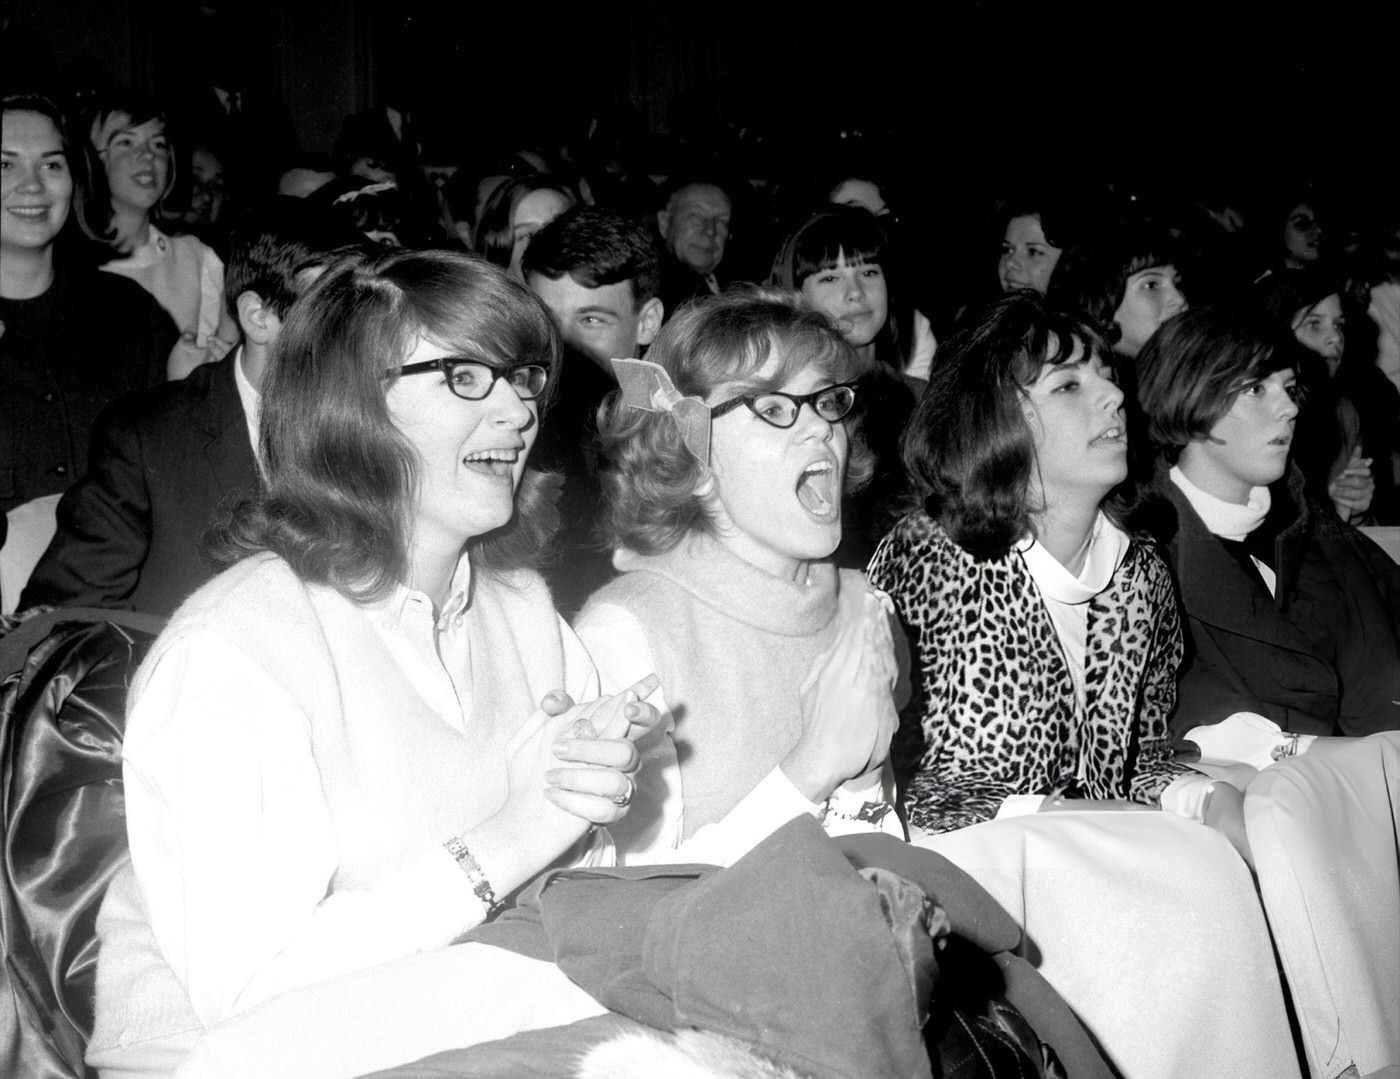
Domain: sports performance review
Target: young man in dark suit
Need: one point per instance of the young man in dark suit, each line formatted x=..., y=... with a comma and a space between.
x=163, y=464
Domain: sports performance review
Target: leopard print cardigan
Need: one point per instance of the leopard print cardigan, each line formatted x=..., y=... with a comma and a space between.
x=994, y=710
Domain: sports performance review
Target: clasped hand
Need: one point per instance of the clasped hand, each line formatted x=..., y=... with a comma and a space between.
x=847, y=703
x=571, y=766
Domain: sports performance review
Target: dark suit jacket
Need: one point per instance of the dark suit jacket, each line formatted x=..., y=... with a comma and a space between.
x=161, y=466
x=679, y=284
x=1321, y=657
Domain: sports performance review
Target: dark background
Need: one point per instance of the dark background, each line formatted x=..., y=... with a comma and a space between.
x=972, y=87
x=964, y=101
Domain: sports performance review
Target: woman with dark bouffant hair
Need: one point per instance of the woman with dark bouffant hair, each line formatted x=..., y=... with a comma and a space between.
x=1035, y=229
x=1046, y=642
x=358, y=740
x=1045, y=638
x=725, y=457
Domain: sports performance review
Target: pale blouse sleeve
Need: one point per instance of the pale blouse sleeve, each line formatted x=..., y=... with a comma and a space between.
x=217, y=332
x=233, y=847
x=925, y=346
x=653, y=830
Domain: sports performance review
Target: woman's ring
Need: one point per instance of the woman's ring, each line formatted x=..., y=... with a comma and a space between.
x=625, y=798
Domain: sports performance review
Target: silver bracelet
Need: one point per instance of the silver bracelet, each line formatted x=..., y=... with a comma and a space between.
x=1288, y=748
x=481, y=887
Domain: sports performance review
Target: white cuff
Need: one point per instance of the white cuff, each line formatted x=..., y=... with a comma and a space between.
x=1020, y=805
x=1186, y=796
x=1247, y=738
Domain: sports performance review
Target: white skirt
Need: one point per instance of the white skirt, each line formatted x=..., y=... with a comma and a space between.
x=1151, y=929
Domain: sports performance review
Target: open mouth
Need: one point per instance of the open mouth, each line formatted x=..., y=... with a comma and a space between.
x=816, y=490
x=28, y=213
x=1112, y=436
x=498, y=463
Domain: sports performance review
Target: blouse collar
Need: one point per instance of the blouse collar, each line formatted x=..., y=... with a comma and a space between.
x=1108, y=544
x=403, y=600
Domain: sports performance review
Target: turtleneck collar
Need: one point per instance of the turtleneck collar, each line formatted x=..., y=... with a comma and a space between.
x=1108, y=544
x=1228, y=520
x=721, y=580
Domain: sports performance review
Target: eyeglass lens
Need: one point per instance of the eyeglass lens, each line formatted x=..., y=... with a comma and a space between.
x=781, y=409
x=474, y=381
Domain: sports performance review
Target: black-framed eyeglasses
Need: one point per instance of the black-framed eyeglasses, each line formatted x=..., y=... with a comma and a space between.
x=832, y=403
x=473, y=380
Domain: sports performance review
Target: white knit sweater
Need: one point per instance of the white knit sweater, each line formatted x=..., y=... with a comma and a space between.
x=393, y=777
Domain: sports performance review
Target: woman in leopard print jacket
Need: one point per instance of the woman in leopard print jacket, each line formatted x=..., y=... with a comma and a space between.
x=1046, y=639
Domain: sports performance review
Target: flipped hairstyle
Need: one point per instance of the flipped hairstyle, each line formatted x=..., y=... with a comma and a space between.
x=1192, y=369
x=652, y=484
x=139, y=109
x=597, y=247
x=340, y=479
x=1092, y=276
x=495, y=235
x=969, y=447
x=273, y=241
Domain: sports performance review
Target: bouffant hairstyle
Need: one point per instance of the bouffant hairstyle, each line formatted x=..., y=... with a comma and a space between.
x=340, y=479
x=713, y=349
x=1092, y=276
x=1194, y=367
x=969, y=448
x=138, y=109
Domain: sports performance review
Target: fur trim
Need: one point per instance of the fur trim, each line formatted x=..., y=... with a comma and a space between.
x=688, y=1054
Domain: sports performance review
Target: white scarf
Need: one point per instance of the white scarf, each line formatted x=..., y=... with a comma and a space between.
x=1229, y=520
x=1066, y=595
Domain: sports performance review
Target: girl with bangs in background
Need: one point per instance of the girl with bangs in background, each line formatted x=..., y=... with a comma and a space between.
x=839, y=263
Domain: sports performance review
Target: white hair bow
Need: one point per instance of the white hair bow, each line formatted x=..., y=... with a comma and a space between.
x=647, y=386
